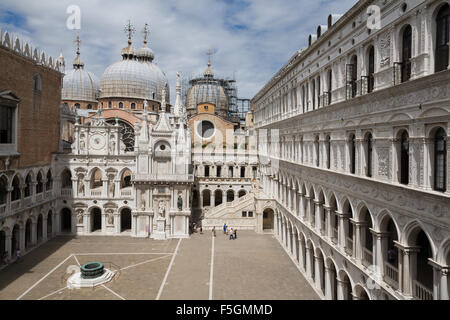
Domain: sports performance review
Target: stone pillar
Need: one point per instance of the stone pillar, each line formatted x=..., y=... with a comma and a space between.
x=22, y=239
x=341, y=289
x=357, y=243
x=44, y=228
x=8, y=245
x=294, y=247
x=329, y=226
x=379, y=251
x=409, y=257
x=289, y=240
x=308, y=209
x=329, y=283
x=301, y=255
x=33, y=233
x=341, y=229
x=318, y=208
x=308, y=262
x=444, y=294
x=319, y=271
x=212, y=199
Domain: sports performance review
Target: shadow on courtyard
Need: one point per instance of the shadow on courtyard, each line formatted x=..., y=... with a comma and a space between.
x=30, y=260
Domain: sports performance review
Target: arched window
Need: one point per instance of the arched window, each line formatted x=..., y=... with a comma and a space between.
x=89, y=106
x=133, y=106
x=330, y=85
x=318, y=92
x=442, y=38
x=404, y=158
x=3, y=189
x=369, y=150
x=16, y=194
x=28, y=181
x=125, y=179
x=49, y=183
x=96, y=179
x=406, y=53
x=352, y=77
x=371, y=70
x=39, y=183
x=37, y=83
x=440, y=157
x=120, y=105
x=316, y=148
x=352, y=154
x=207, y=171
x=66, y=179
x=77, y=105
x=328, y=147
x=110, y=104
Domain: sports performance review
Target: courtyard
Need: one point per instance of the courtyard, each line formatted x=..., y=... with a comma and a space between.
x=199, y=268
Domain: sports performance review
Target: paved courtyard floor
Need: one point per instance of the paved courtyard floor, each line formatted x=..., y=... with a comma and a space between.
x=200, y=268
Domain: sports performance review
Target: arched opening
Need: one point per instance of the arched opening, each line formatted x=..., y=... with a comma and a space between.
x=361, y=293
x=366, y=237
x=242, y=172
x=49, y=223
x=332, y=273
x=28, y=185
x=352, y=77
x=328, y=150
x=352, y=147
x=126, y=134
x=125, y=220
x=49, y=182
x=242, y=193
x=268, y=219
x=16, y=193
x=28, y=226
x=371, y=69
x=442, y=38
x=421, y=272
x=125, y=179
x=389, y=251
x=66, y=179
x=369, y=154
x=230, y=196
x=39, y=228
x=66, y=220
x=334, y=222
x=312, y=210
x=206, y=195
x=96, y=219
x=2, y=243
x=39, y=183
x=330, y=86
x=96, y=179
x=319, y=267
x=346, y=287
x=440, y=160
x=15, y=240
x=218, y=198
x=316, y=151
x=406, y=53
x=348, y=228
x=3, y=189
x=404, y=158
x=310, y=269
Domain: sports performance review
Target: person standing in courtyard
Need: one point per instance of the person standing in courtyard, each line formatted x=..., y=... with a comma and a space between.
x=224, y=228
x=17, y=255
x=214, y=231
x=235, y=234
x=231, y=234
x=5, y=257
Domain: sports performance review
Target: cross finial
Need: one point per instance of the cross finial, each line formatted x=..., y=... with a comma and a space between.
x=146, y=33
x=130, y=30
x=209, y=53
x=77, y=41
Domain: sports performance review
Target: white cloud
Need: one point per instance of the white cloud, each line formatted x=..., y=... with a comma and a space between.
x=267, y=33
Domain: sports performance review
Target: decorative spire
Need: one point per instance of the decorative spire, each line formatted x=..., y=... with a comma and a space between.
x=77, y=63
x=146, y=33
x=209, y=53
x=163, y=100
x=130, y=30
x=209, y=73
x=178, y=107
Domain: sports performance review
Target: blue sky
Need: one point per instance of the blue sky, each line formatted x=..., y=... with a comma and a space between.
x=251, y=39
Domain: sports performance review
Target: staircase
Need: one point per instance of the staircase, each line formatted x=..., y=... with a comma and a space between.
x=231, y=214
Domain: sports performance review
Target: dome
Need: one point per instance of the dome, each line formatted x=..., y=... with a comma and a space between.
x=207, y=92
x=134, y=77
x=79, y=85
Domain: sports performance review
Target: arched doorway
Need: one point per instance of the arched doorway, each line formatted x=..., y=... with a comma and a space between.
x=268, y=219
x=39, y=228
x=230, y=196
x=96, y=219
x=15, y=240
x=346, y=287
x=125, y=220
x=66, y=220
x=421, y=271
x=206, y=195
x=28, y=234
x=218, y=197
x=332, y=281
x=49, y=223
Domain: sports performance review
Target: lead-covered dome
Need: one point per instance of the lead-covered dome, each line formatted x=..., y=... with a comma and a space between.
x=79, y=84
x=135, y=77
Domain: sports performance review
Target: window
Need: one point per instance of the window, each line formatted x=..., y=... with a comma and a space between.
x=230, y=172
x=206, y=171
x=49, y=183
x=16, y=193
x=219, y=171
x=303, y=98
x=120, y=105
x=244, y=214
x=39, y=184
x=371, y=71
x=328, y=146
x=440, y=157
x=318, y=91
x=242, y=172
x=6, y=125
x=316, y=148
x=133, y=106
x=313, y=94
x=442, y=38
x=77, y=105
x=352, y=154
x=369, y=141
x=406, y=53
x=28, y=186
x=37, y=83
x=3, y=189
x=89, y=106
x=110, y=104
x=404, y=159
x=250, y=214
x=330, y=85
x=351, y=77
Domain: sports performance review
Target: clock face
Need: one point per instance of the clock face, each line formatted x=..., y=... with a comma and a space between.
x=97, y=142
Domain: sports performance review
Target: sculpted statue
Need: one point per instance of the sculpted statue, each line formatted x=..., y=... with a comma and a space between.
x=80, y=186
x=110, y=217
x=180, y=202
x=162, y=210
x=111, y=186
x=80, y=216
x=143, y=201
x=112, y=145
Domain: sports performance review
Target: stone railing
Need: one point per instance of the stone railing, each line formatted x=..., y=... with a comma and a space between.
x=66, y=192
x=48, y=194
x=96, y=193
x=15, y=205
x=421, y=292
x=125, y=193
x=349, y=246
x=335, y=235
x=27, y=201
x=367, y=257
x=163, y=177
x=225, y=208
x=39, y=197
x=390, y=274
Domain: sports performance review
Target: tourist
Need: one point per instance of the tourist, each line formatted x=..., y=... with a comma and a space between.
x=201, y=230
x=235, y=234
x=214, y=231
x=5, y=257
x=225, y=228
x=231, y=234
x=17, y=255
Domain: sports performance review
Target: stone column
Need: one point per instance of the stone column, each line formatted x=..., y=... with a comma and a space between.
x=379, y=250
x=329, y=226
x=294, y=247
x=212, y=199
x=22, y=239
x=329, y=283
x=318, y=208
x=444, y=294
x=44, y=228
x=308, y=262
x=302, y=205
x=8, y=245
x=289, y=240
x=341, y=289
x=408, y=265
x=341, y=229
x=301, y=255
x=357, y=243
x=33, y=233
x=319, y=271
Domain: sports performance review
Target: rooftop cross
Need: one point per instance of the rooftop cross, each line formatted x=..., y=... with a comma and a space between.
x=209, y=53
x=146, y=33
x=77, y=41
x=130, y=30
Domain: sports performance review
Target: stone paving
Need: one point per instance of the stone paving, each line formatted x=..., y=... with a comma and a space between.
x=251, y=267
